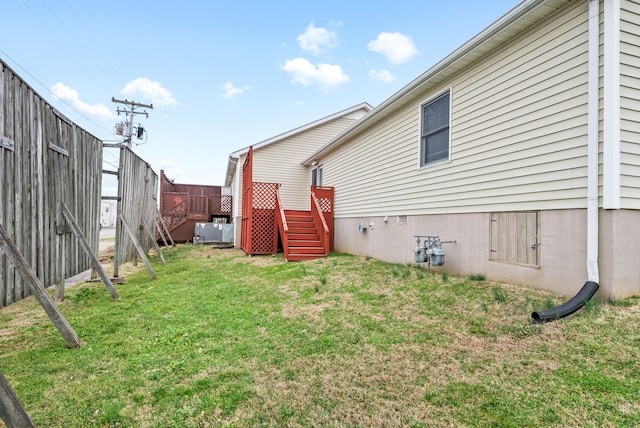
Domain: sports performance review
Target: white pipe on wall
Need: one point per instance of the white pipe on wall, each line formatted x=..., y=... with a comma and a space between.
x=592, y=141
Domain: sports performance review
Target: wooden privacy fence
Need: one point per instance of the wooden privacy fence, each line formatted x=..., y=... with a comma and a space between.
x=137, y=207
x=182, y=206
x=46, y=161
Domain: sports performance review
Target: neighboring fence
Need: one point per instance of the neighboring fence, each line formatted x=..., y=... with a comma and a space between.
x=45, y=160
x=138, y=205
x=182, y=206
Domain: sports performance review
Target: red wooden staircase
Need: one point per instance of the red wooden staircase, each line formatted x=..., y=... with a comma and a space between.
x=302, y=237
x=304, y=234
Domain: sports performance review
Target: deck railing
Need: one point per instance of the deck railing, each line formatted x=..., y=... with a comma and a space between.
x=320, y=222
x=282, y=224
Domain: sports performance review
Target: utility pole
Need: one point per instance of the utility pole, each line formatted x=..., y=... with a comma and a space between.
x=126, y=129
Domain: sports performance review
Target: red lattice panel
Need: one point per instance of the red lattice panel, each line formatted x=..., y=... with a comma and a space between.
x=220, y=204
x=264, y=196
x=326, y=205
x=264, y=231
x=175, y=208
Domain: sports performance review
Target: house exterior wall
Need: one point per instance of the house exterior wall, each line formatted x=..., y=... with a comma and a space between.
x=518, y=143
x=280, y=163
x=562, y=247
x=518, y=136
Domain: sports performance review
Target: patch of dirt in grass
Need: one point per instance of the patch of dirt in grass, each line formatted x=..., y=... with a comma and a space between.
x=105, y=255
x=264, y=261
x=216, y=253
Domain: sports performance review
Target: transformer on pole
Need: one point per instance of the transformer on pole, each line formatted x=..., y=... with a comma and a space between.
x=126, y=128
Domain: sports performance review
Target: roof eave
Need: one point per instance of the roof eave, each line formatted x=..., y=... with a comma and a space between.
x=362, y=106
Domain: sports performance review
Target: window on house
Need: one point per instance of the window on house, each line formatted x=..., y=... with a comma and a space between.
x=316, y=176
x=514, y=238
x=434, y=133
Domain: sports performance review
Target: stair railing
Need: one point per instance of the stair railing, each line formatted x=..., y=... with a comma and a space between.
x=320, y=223
x=282, y=224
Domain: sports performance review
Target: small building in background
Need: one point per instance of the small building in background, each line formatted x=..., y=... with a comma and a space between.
x=108, y=213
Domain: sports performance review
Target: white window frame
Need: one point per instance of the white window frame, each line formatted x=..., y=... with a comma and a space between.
x=420, y=147
x=318, y=170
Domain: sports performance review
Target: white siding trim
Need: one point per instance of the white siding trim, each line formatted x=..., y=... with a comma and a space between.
x=235, y=194
x=611, y=104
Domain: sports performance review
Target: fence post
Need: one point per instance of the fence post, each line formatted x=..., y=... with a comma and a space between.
x=153, y=238
x=12, y=411
x=164, y=240
x=138, y=248
x=12, y=252
x=96, y=263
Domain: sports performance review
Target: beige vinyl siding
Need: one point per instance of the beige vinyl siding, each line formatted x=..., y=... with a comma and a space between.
x=630, y=104
x=518, y=136
x=279, y=162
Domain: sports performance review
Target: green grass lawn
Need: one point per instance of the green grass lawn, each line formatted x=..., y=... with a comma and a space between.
x=221, y=339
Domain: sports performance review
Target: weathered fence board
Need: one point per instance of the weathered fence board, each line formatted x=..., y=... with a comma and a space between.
x=51, y=161
x=137, y=190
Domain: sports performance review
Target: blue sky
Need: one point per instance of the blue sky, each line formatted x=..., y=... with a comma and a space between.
x=223, y=75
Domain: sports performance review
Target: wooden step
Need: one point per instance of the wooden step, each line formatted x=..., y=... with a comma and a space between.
x=303, y=237
x=296, y=225
x=299, y=217
x=304, y=243
x=306, y=250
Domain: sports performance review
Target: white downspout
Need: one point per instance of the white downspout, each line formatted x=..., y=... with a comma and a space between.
x=592, y=141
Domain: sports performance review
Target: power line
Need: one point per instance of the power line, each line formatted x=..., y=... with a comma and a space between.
x=50, y=91
x=55, y=35
x=109, y=163
x=121, y=61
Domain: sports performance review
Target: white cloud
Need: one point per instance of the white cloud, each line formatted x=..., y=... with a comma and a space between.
x=382, y=75
x=229, y=90
x=150, y=91
x=304, y=72
x=397, y=47
x=317, y=40
x=71, y=96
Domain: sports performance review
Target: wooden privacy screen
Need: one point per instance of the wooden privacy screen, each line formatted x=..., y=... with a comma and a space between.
x=182, y=206
x=264, y=230
x=45, y=160
x=259, y=234
x=247, y=189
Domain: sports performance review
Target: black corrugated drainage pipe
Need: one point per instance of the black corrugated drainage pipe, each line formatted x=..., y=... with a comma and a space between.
x=593, y=121
x=586, y=292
